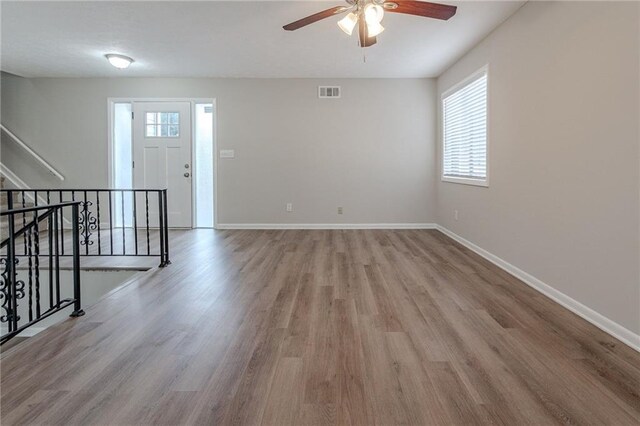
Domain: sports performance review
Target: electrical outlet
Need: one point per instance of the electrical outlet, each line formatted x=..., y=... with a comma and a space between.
x=455, y=214
x=289, y=207
x=339, y=210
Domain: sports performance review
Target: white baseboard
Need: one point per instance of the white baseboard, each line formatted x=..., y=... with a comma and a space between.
x=326, y=226
x=605, y=324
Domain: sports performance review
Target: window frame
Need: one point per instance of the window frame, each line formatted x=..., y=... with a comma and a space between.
x=451, y=90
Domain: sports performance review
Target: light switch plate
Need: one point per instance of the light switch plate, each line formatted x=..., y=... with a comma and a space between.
x=227, y=153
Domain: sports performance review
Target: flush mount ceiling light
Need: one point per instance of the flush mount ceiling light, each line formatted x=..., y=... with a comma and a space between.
x=119, y=61
x=368, y=15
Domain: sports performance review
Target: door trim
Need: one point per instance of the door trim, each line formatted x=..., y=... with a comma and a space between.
x=193, y=101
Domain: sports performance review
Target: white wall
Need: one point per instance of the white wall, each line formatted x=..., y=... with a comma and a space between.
x=370, y=152
x=563, y=201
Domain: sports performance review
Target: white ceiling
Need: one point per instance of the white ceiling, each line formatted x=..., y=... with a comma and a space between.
x=230, y=39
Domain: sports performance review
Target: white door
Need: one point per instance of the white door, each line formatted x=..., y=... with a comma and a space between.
x=162, y=155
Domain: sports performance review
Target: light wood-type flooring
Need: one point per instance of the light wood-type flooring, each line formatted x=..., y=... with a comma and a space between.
x=354, y=327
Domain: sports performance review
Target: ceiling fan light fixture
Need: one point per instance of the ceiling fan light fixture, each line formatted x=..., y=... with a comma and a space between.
x=373, y=13
x=348, y=23
x=374, y=29
x=119, y=61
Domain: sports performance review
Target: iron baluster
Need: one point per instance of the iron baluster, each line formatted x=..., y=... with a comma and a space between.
x=16, y=288
x=165, y=215
x=36, y=247
x=135, y=221
x=124, y=249
x=77, y=307
x=86, y=233
x=52, y=223
x=161, y=229
x=98, y=210
x=30, y=270
x=24, y=222
x=61, y=222
x=56, y=259
x=110, y=223
x=146, y=201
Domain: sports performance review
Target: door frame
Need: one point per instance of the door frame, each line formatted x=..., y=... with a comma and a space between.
x=193, y=101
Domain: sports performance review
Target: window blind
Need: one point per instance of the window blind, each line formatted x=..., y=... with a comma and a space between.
x=465, y=131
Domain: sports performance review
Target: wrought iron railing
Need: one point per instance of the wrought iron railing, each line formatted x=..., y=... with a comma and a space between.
x=112, y=222
x=24, y=300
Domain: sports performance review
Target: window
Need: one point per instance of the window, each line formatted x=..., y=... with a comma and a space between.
x=122, y=159
x=464, y=111
x=203, y=171
x=162, y=124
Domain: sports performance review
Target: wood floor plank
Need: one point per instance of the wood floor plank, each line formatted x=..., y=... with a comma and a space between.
x=354, y=408
x=285, y=400
x=326, y=327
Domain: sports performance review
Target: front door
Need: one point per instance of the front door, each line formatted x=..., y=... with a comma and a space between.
x=162, y=155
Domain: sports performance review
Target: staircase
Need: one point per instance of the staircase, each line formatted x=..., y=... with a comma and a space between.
x=17, y=204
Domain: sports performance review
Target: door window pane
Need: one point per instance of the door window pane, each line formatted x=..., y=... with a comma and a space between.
x=162, y=124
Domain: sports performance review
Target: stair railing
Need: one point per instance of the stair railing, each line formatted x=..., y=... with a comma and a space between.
x=31, y=152
x=113, y=222
x=26, y=296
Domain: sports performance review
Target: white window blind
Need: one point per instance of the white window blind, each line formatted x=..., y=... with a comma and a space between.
x=465, y=131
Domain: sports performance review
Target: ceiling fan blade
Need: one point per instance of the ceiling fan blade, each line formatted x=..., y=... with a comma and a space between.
x=365, y=40
x=315, y=18
x=421, y=8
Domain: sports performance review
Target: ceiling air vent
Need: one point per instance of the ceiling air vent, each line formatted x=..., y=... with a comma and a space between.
x=325, y=92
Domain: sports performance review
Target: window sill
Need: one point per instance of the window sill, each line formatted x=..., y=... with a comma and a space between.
x=464, y=181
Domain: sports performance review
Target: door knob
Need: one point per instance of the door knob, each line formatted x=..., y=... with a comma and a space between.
x=186, y=175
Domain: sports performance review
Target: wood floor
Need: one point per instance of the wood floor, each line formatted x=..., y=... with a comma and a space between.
x=322, y=327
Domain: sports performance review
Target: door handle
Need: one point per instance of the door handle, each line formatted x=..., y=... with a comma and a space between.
x=186, y=175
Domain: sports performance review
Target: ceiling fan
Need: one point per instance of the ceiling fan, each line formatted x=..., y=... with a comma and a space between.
x=368, y=14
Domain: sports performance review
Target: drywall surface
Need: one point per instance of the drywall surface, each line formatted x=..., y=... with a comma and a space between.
x=563, y=199
x=371, y=152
